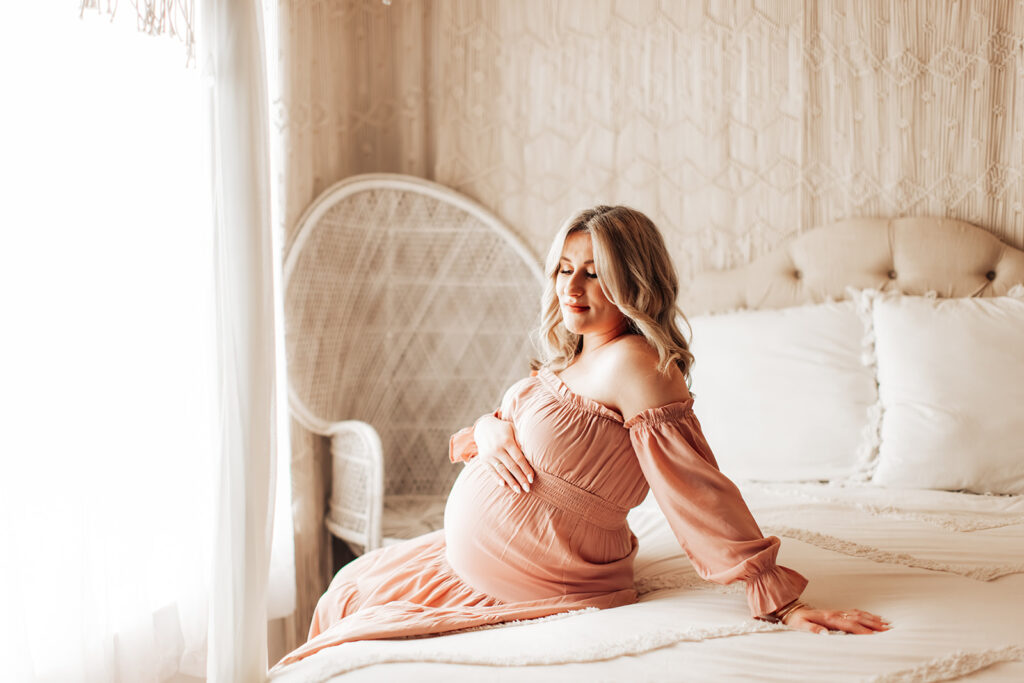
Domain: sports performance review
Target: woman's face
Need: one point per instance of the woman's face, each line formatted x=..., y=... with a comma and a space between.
x=585, y=308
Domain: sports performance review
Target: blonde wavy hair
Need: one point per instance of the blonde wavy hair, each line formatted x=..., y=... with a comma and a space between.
x=636, y=274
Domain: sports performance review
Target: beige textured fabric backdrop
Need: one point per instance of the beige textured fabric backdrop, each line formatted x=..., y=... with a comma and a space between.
x=734, y=125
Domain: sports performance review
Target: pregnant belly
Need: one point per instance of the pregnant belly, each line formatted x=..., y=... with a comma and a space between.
x=553, y=541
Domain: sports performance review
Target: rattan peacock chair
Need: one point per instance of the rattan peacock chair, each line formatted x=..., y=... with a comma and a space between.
x=408, y=309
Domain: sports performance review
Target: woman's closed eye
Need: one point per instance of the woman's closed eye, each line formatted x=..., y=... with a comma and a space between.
x=567, y=271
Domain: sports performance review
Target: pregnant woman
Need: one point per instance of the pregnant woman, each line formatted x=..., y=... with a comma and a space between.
x=536, y=522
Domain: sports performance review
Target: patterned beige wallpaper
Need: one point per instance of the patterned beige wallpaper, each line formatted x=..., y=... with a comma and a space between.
x=735, y=124
x=915, y=108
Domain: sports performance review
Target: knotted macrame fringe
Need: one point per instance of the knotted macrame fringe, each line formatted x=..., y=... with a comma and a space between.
x=175, y=18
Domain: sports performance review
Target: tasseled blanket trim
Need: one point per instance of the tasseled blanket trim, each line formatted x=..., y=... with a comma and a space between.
x=978, y=573
x=617, y=645
x=954, y=665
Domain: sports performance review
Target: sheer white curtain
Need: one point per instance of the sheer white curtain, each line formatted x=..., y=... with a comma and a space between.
x=137, y=348
x=231, y=54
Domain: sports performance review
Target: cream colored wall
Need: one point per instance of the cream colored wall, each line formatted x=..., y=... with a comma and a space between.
x=735, y=125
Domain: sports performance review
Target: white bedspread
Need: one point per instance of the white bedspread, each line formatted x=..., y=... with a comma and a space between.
x=946, y=568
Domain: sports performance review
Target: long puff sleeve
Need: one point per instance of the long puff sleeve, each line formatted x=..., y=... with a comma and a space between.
x=705, y=510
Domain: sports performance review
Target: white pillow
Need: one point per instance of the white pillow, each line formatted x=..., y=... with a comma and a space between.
x=788, y=394
x=951, y=382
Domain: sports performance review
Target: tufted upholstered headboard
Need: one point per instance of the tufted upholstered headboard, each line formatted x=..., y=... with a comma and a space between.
x=912, y=255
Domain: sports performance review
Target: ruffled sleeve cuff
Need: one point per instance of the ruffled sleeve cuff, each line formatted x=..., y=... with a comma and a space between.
x=773, y=588
x=461, y=445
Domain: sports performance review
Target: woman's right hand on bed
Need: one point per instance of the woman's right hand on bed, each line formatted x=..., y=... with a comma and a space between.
x=497, y=446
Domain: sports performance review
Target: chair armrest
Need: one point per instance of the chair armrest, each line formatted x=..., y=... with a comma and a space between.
x=357, y=483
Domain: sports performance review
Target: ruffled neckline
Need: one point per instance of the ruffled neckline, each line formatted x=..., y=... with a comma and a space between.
x=650, y=416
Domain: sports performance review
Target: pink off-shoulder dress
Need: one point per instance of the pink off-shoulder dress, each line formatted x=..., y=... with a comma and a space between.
x=565, y=545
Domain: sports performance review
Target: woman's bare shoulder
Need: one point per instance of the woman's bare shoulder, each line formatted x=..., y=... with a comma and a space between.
x=633, y=362
x=632, y=353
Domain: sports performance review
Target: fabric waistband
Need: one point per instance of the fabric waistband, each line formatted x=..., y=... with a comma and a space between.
x=571, y=498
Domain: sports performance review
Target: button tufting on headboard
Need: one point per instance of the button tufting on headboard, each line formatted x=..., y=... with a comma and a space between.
x=912, y=255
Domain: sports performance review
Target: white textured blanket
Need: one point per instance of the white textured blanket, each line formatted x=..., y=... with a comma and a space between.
x=946, y=568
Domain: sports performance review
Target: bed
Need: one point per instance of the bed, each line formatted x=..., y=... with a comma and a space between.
x=897, y=493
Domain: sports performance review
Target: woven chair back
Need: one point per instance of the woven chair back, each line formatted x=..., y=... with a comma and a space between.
x=409, y=307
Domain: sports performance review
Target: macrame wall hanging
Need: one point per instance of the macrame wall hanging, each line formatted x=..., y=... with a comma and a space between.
x=174, y=18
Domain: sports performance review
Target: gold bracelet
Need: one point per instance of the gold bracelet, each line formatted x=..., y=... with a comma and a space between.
x=779, y=614
x=788, y=609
